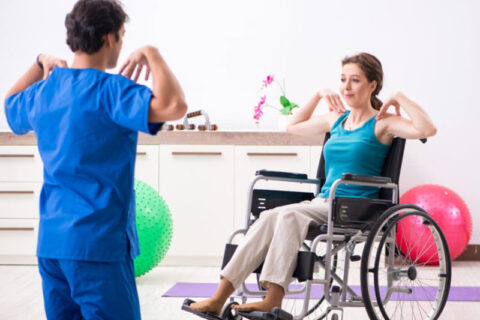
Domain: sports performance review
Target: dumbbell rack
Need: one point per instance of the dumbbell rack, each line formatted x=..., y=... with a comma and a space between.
x=191, y=126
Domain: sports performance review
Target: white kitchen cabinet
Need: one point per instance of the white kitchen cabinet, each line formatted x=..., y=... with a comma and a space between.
x=249, y=159
x=19, y=200
x=205, y=187
x=197, y=182
x=18, y=241
x=146, y=166
x=20, y=164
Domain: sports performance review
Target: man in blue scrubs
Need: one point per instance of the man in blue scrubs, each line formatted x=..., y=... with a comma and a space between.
x=86, y=122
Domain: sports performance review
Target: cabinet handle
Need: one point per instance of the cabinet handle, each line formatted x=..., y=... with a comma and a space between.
x=15, y=192
x=141, y=153
x=16, y=229
x=17, y=156
x=265, y=154
x=177, y=153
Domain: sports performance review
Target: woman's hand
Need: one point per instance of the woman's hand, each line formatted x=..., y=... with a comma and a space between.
x=333, y=100
x=137, y=61
x=49, y=62
x=391, y=101
x=416, y=125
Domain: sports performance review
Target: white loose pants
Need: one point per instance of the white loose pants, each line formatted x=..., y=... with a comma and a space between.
x=275, y=238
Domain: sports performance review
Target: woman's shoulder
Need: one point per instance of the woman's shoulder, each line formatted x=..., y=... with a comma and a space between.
x=382, y=128
x=334, y=118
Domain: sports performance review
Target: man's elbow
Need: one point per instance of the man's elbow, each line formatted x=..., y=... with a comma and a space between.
x=176, y=110
x=181, y=108
x=162, y=112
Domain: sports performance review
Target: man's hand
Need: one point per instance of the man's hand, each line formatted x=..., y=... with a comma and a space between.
x=136, y=62
x=49, y=62
x=37, y=73
x=168, y=101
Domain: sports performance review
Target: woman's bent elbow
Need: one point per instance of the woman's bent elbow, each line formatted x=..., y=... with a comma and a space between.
x=430, y=132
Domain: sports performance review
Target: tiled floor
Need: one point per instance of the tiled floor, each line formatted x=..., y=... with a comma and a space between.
x=21, y=296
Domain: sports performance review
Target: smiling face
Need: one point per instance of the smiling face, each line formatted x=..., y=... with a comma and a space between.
x=354, y=86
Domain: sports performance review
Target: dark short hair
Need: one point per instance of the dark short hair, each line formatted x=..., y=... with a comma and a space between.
x=90, y=20
x=372, y=68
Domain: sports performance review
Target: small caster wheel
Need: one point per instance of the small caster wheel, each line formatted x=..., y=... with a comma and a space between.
x=334, y=317
x=227, y=312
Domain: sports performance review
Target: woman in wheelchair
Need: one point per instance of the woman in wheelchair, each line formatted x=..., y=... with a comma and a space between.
x=359, y=142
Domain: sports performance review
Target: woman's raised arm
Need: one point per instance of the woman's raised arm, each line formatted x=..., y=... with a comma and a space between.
x=303, y=123
x=418, y=126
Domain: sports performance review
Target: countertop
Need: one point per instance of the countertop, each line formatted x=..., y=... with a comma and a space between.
x=194, y=138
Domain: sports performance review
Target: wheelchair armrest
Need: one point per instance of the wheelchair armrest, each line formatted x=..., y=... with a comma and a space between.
x=364, y=178
x=280, y=174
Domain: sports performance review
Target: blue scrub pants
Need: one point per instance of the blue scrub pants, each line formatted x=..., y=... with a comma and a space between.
x=74, y=289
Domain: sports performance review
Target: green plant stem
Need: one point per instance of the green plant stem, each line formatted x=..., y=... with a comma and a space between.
x=282, y=88
x=270, y=106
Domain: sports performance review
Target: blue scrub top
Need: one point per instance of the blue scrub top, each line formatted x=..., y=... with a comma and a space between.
x=86, y=122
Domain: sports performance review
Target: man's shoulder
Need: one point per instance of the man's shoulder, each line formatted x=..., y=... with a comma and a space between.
x=117, y=79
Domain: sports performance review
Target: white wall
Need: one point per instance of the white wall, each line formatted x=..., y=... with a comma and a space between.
x=221, y=50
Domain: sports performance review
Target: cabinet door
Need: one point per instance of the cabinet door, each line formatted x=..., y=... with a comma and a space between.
x=146, y=165
x=18, y=237
x=20, y=163
x=19, y=200
x=249, y=159
x=197, y=184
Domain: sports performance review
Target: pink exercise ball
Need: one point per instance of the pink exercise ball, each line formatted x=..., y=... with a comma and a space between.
x=448, y=210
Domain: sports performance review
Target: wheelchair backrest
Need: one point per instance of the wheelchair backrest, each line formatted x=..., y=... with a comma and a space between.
x=391, y=167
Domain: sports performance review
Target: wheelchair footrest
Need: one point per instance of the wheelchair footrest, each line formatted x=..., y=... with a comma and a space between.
x=205, y=315
x=277, y=314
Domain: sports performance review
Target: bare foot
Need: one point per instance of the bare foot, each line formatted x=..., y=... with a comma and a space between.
x=208, y=305
x=263, y=306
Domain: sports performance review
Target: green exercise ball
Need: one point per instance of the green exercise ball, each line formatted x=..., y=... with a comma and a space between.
x=154, y=227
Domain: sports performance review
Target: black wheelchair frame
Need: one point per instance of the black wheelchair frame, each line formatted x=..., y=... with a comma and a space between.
x=387, y=274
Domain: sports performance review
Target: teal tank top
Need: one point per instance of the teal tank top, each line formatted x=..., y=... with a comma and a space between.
x=355, y=151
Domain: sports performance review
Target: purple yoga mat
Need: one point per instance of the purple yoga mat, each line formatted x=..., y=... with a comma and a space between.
x=204, y=290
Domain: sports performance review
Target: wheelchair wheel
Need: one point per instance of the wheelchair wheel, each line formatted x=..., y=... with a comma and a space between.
x=396, y=283
x=317, y=308
x=227, y=312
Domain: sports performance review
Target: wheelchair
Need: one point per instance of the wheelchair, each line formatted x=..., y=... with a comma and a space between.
x=395, y=283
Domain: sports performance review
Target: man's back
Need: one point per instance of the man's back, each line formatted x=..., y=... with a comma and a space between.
x=86, y=123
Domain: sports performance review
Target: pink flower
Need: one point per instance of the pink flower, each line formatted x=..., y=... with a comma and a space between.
x=262, y=100
x=268, y=81
x=257, y=110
